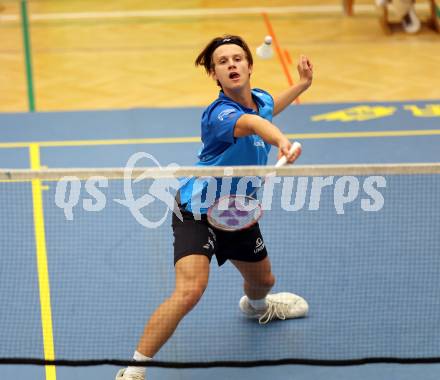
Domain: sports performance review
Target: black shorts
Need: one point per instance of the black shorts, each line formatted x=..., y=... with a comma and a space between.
x=199, y=237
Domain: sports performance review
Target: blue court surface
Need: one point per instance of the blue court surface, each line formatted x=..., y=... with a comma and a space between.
x=371, y=279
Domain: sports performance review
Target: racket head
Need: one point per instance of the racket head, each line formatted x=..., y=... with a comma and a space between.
x=234, y=213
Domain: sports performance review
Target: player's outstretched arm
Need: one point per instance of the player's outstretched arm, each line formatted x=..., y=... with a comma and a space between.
x=255, y=125
x=305, y=71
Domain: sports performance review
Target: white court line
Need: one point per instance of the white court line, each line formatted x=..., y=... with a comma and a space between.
x=195, y=12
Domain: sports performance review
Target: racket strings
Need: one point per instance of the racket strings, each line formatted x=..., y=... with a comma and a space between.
x=242, y=211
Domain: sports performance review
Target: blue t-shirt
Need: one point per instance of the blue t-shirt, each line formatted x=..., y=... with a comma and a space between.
x=221, y=148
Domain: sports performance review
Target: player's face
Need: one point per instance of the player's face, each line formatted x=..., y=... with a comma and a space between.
x=231, y=67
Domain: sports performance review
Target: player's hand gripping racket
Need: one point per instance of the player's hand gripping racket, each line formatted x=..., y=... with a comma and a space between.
x=237, y=212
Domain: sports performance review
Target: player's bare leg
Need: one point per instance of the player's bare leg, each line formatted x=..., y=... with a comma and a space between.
x=192, y=273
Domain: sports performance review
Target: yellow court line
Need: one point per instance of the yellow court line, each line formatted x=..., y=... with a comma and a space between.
x=73, y=143
x=344, y=135
x=193, y=139
x=43, y=272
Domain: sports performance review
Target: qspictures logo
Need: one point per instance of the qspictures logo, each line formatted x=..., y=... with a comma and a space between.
x=68, y=193
x=297, y=193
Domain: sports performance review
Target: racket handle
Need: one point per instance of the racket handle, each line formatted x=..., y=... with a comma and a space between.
x=296, y=147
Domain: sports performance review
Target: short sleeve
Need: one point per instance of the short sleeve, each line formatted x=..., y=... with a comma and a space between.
x=222, y=120
x=265, y=104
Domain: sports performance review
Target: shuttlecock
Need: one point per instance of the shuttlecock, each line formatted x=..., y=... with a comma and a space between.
x=265, y=51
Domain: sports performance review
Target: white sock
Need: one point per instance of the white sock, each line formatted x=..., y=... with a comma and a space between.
x=138, y=357
x=259, y=305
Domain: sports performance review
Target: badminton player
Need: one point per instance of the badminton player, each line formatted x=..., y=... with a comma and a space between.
x=236, y=130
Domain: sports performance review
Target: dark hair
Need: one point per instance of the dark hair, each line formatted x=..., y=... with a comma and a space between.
x=205, y=57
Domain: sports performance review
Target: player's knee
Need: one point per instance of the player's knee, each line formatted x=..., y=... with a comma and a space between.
x=269, y=280
x=190, y=295
x=266, y=281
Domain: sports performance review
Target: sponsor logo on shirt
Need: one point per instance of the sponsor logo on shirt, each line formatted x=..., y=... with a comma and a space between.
x=226, y=113
x=258, y=141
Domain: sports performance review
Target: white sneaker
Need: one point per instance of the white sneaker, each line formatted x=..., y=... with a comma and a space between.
x=410, y=22
x=120, y=376
x=280, y=305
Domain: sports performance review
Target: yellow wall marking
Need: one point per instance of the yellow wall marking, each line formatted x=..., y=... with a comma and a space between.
x=358, y=113
x=429, y=110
